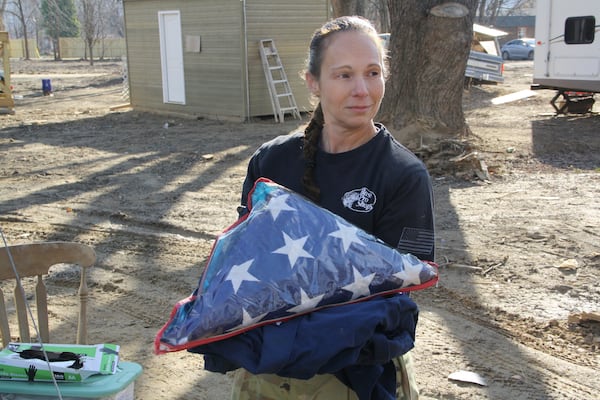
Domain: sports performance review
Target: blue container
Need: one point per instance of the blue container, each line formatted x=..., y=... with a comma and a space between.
x=46, y=86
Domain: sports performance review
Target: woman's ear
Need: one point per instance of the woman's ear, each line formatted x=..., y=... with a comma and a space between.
x=312, y=84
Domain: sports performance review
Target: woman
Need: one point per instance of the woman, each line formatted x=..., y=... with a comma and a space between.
x=352, y=166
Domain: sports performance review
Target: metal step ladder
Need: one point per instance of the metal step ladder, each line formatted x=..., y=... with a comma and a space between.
x=282, y=98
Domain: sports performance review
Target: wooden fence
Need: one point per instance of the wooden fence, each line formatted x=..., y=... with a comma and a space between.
x=73, y=48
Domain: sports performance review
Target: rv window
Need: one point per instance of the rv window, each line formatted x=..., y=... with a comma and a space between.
x=580, y=30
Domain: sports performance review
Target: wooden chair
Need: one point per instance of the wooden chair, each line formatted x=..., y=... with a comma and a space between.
x=34, y=260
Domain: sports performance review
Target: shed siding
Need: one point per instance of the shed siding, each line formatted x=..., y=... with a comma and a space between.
x=215, y=77
x=290, y=24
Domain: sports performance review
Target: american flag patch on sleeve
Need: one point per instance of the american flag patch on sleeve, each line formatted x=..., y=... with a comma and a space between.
x=416, y=241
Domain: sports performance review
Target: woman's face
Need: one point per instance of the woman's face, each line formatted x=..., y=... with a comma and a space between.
x=351, y=85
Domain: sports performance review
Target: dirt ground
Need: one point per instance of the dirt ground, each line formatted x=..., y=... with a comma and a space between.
x=519, y=249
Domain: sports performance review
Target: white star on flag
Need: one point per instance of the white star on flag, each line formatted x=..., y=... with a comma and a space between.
x=347, y=234
x=306, y=303
x=247, y=320
x=277, y=205
x=360, y=286
x=239, y=273
x=293, y=249
x=411, y=275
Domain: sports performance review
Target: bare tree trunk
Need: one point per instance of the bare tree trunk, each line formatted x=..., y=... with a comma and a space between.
x=55, y=22
x=2, y=8
x=429, y=54
x=481, y=12
x=92, y=23
x=375, y=10
x=347, y=7
x=23, y=21
x=26, y=40
x=56, y=48
x=384, y=15
x=90, y=45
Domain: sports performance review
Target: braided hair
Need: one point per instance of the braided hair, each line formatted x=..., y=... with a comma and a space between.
x=318, y=45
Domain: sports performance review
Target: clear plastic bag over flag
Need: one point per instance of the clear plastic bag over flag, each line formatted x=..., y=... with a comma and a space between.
x=285, y=258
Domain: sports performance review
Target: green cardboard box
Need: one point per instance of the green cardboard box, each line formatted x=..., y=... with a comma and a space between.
x=68, y=362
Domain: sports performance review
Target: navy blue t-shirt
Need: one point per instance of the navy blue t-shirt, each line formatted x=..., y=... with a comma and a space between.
x=381, y=187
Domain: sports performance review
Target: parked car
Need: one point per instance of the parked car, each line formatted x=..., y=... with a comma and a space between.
x=518, y=49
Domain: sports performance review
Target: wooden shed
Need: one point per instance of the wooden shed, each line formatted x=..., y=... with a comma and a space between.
x=201, y=57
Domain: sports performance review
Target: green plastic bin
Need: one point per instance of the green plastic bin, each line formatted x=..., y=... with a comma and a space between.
x=119, y=386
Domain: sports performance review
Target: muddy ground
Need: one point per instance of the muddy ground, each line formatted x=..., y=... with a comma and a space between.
x=519, y=248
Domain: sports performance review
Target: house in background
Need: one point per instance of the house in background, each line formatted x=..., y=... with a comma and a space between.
x=201, y=57
x=517, y=26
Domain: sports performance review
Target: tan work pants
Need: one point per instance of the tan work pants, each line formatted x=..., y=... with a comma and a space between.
x=247, y=386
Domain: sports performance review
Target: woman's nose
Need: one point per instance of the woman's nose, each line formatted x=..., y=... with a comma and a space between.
x=360, y=87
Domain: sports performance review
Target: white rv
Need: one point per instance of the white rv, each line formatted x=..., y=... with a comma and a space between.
x=567, y=52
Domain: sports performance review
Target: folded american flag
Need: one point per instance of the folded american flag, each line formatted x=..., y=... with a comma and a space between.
x=285, y=258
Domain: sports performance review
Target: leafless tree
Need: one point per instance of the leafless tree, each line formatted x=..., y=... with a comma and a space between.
x=114, y=20
x=2, y=8
x=24, y=12
x=489, y=10
x=375, y=10
x=91, y=24
x=348, y=7
x=97, y=19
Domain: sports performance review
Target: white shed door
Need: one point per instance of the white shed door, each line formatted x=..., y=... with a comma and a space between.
x=171, y=57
